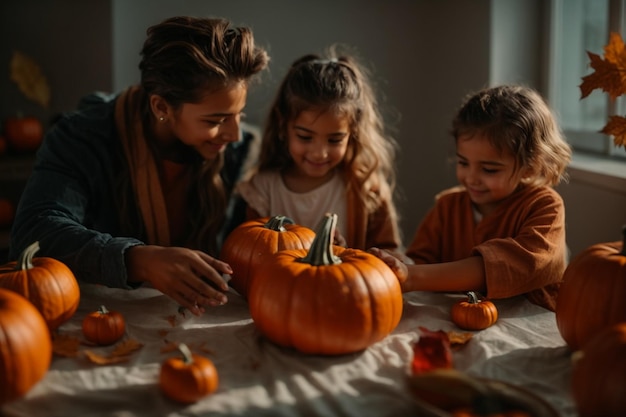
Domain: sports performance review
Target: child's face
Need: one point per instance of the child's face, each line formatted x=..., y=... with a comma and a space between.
x=488, y=175
x=317, y=143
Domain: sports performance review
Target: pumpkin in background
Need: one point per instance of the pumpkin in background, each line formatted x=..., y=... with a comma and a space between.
x=103, y=327
x=7, y=212
x=188, y=378
x=593, y=292
x=23, y=134
x=249, y=244
x=328, y=300
x=474, y=314
x=599, y=374
x=25, y=346
x=47, y=283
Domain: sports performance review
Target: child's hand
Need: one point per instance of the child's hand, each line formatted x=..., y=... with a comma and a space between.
x=397, y=266
x=339, y=240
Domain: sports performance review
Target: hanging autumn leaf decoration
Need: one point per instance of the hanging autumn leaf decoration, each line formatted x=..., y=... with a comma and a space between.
x=610, y=76
x=25, y=72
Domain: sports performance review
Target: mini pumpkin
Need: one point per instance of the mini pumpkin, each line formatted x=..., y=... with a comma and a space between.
x=47, y=283
x=473, y=313
x=104, y=327
x=188, y=378
x=23, y=134
x=599, y=374
x=328, y=300
x=249, y=244
x=593, y=291
x=25, y=346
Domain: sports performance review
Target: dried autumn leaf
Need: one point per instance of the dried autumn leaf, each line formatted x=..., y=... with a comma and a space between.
x=431, y=351
x=65, y=345
x=126, y=347
x=609, y=73
x=458, y=339
x=30, y=80
x=99, y=359
x=616, y=127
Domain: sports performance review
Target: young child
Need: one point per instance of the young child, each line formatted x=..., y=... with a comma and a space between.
x=324, y=149
x=502, y=231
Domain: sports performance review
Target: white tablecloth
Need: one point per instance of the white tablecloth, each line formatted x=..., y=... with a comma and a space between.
x=258, y=378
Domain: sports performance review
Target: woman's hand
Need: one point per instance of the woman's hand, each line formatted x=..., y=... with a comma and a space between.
x=190, y=277
x=397, y=266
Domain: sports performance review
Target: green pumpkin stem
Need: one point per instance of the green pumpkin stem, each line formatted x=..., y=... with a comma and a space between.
x=277, y=223
x=186, y=352
x=472, y=298
x=321, y=250
x=103, y=310
x=25, y=260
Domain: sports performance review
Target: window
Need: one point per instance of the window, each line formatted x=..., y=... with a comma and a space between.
x=579, y=26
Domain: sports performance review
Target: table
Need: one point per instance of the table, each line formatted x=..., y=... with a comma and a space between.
x=258, y=378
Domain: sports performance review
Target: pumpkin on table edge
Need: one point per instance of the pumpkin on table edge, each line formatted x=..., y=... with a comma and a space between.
x=250, y=243
x=25, y=346
x=473, y=313
x=188, y=378
x=593, y=292
x=598, y=379
x=103, y=327
x=328, y=300
x=46, y=282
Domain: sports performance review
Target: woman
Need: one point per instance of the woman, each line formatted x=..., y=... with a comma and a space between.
x=133, y=188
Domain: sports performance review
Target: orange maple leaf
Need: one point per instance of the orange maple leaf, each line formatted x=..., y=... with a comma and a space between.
x=616, y=127
x=609, y=73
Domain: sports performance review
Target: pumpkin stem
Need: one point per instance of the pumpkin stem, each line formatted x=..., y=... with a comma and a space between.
x=187, y=356
x=277, y=223
x=103, y=310
x=472, y=298
x=321, y=250
x=25, y=260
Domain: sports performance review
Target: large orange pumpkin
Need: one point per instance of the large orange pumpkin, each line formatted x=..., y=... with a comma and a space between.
x=249, y=244
x=599, y=374
x=593, y=292
x=47, y=283
x=24, y=134
x=328, y=300
x=25, y=346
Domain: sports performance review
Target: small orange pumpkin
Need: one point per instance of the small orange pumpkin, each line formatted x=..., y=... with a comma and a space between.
x=47, y=283
x=599, y=374
x=7, y=212
x=473, y=313
x=25, y=346
x=24, y=134
x=328, y=300
x=188, y=378
x=104, y=327
x=249, y=244
x=593, y=291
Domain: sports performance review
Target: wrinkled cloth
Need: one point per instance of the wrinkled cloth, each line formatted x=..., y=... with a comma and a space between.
x=258, y=378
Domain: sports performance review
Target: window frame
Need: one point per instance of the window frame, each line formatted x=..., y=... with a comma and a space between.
x=588, y=141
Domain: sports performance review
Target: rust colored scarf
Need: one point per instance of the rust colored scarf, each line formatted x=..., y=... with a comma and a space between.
x=142, y=166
